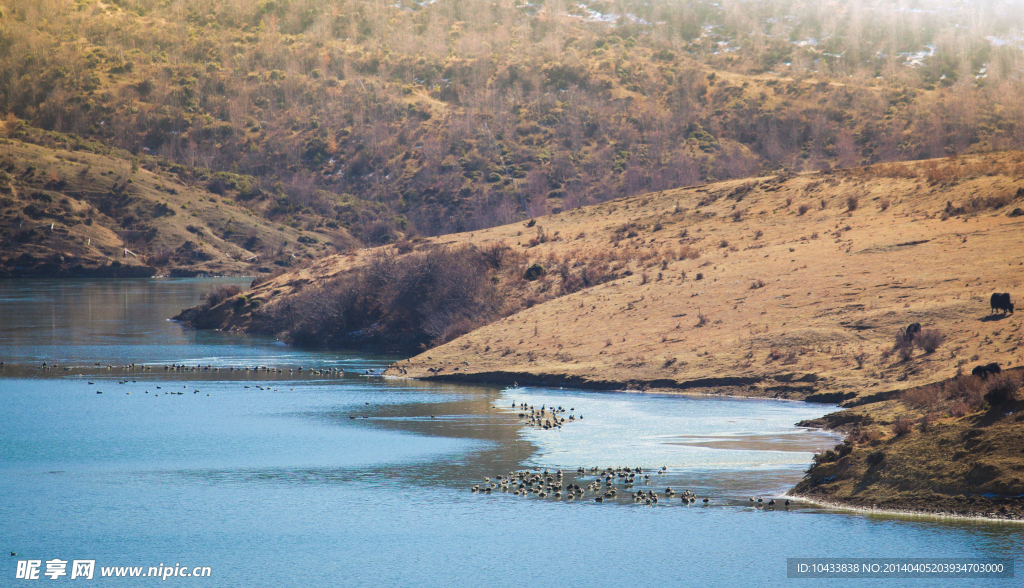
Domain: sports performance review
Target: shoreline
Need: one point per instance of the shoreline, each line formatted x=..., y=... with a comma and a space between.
x=898, y=512
x=739, y=386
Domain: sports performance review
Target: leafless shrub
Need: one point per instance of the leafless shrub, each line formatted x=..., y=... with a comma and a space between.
x=1001, y=388
x=852, y=202
x=688, y=252
x=702, y=319
x=902, y=426
x=925, y=397
x=926, y=422
x=929, y=340
x=860, y=358
x=757, y=284
x=221, y=294
x=960, y=409
x=495, y=255
x=802, y=209
x=904, y=344
x=968, y=389
x=161, y=256
x=904, y=350
x=868, y=437
x=883, y=204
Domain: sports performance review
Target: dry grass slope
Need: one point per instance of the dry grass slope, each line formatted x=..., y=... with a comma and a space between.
x=732, y=288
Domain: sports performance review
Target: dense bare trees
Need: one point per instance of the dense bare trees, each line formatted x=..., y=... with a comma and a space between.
x=464, y=107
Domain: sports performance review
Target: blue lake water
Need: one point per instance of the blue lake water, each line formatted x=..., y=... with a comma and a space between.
x=301, y=479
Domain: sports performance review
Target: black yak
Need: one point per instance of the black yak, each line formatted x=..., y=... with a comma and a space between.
x=913, y=330
x=984, y=371
x=1002, y=302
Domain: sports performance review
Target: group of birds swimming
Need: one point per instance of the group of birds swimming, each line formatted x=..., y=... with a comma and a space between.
x=601, y=487
x=329, y=371
x=174, y=367
x=545, y=418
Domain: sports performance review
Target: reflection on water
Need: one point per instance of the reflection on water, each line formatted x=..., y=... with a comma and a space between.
x=88, y=322
x=303, y=479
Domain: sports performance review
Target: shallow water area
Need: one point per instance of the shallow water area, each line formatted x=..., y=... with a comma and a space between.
x=319, y=478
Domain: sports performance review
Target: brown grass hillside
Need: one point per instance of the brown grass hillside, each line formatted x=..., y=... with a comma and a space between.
x=779, y=286
x=76, y=212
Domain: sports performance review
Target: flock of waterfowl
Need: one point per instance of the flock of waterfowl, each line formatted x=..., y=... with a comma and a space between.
x=99, y=368
x=174, y=367
x=545, y=417
x=600, y=484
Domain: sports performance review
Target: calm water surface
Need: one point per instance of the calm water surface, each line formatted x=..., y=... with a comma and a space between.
x=298, y=479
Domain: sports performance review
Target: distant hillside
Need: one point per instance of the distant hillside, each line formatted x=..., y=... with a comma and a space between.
x=784, y=285
x=437, y=117
x=81, y=213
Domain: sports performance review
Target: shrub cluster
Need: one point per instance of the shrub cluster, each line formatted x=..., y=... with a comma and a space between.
x=406, y=302
x=221, y=294
x=964, y=394
x=902, y=426
x=906, y=339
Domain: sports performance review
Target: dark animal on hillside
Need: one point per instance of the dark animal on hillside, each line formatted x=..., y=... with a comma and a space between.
x=1002, y=302
x=913, y=330
x=984, y=371
x=905, y=336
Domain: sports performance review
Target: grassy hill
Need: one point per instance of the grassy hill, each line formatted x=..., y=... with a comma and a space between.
x=786, y=284
x=94, y=212
x=796, y=286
